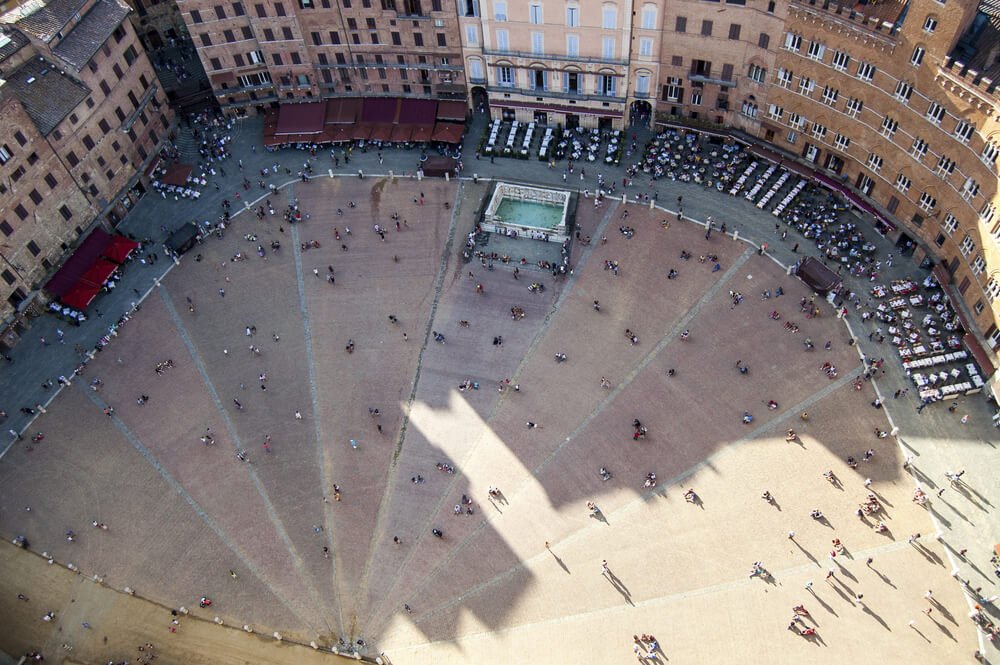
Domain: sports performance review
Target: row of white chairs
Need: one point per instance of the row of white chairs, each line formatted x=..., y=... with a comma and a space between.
x=790, y=197
x=759, y=185
x=778, y=184
x=743, y=178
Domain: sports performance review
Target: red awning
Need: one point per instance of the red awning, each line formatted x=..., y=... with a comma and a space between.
x=422, y=133
x=342, y=110
x=400, y=133
x=80, y=296
x=337, y=133
x=119, y=249
x=177, y=174
x=98, y=273
x=381, y=132
x=89, y=250
x=448, y=132
x=452, y=111
x=361, y=131
x=418, y=111
x=380, y=109
x=301, y=118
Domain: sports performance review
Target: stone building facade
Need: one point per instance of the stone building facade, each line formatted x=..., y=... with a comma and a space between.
x=259, y=53
x=90, y=118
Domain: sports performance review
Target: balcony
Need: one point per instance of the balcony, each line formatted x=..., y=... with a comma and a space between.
x=640, y=95
x=554, y=94
x=553, y=56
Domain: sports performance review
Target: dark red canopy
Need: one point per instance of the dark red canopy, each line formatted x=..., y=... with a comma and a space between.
x=89, y=250
x=119, y=249
x=99, y=272
x=80, y=296
x=448, y=132
x=177, y=175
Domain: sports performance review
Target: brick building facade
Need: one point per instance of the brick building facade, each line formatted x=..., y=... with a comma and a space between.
x=257, y=53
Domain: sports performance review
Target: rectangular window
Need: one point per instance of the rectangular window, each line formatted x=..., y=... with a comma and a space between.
x=927, y=202
x=963, y=131
x=471, y=36
x=276, y=58
x=968, y=246
x=902, y=183
x=970, y=189
x=499, y=11
x=945, y=166
x=609, y=18
x=442, y=39
x=866, y=72
x=816, y=51
x=874, y=163
x=607, y=85
x=672, y=91
x=993, y=292
x=681, y=24
x=537, y=43
x=572, y=17
x=8, y=276
x=503, y=41
x=535, y=14
x=841, y=142
x=950, y=223
x=33, y=248
x=573, y=45
x=505, y=77
x=889, y=127
x=229, y=35
x=840, y=61
x=286, y=32
x=903, y=91
x=917, y=56
x=706, y=28
x=818, y=131
x=206, y=40
x=853, y=107
x=51, y=181
x=215, y=62
x=935, y=113
x=418, y=39
x=195, y=16
x=220, y=13
x=649, y=18
x=806, y=85
x=793, y=42
x=279, y=9
x=978, y=268
x=775, y=112
x=930, y=25
x=734, y=31
x=919, y=148
x=35, y=197
x=296, y=58
x=20, y=211
x=749, y=109
x=88, y=142
x=268, y=35
x=645, y=47
x=989, y=155
x=764, y=40
x=238, y=9
x=785, y=77
x=608, y=47
x=261, y=12
x=987, y=212
x=830, y=96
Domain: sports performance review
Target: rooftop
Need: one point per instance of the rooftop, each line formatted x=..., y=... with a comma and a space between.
x=47, y=95
x=11, y=42
x=44, y=19
x=87, y=36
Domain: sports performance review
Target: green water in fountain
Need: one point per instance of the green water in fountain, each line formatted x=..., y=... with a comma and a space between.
x=529, y=213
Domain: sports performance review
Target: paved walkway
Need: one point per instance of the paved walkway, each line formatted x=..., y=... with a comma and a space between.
x=936, y=439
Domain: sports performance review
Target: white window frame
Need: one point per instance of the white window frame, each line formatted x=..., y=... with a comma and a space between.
x=917, y=56
x=573, y=46
x=537, y=43
x=919, y=148
x=987, y=212
x=506, y=76
x=927, y=202
x=875, y=162
x=945, y=166
x=471, y=34
x=992, y=290
x=609, y=17
x=645, y=47
x=816, y=51
x=990, y=154
x=866, y=71
x=756, y=73
x=476, y=69
x=535, y=15
x=830, y=95
x=572, y=16
x=649, y=17
x=978, y=267
x=967, y=246
x=642, y=82
x=903, y=92
x=970, y=189
x=500, y=11
x=696, y=98
x=793, y=42
x=784, y=78
x=749, y=109
x=930, y=25
x=889, y=126
x=964, y=131
x=903, y=183
x=853, y=107
x=841, y=142
x=806, y=86
x=608, y=48
x=818, y=131
x=503, y=40
x=936, y=113
x=840, y=61
x=775, y=112
x=950, y=224
x=674, y=88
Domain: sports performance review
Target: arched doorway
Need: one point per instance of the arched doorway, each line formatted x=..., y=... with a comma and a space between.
x=640, y=113
x=480, y=100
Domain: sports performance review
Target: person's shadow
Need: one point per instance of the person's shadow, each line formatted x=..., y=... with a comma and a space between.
x=620, y=587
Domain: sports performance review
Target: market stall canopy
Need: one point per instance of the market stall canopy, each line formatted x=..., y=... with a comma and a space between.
x=400, y=133
x=98, y=273
x=301, y=118
x=85, y=255
x=342, y=110
x=381, y=132
x=177, y=175
x=816, y=275
x=183, y=238
x=119, y=248
x=448, y=132
x=452, y=111
x=437, y=165
x=80, y=296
